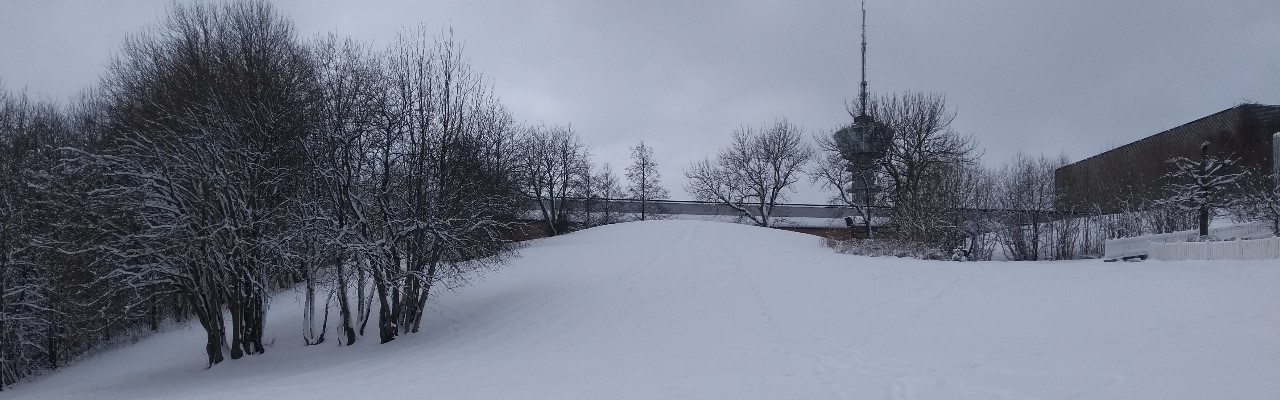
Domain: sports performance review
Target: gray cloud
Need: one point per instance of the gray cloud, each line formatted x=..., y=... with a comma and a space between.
x=1034, y=76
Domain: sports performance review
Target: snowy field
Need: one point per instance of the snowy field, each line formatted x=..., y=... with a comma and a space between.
x=704, y=310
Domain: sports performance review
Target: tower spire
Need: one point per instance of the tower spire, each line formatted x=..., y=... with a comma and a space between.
x=862, y=93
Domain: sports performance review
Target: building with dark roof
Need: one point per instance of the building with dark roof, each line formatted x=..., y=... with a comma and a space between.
x=1134, y=174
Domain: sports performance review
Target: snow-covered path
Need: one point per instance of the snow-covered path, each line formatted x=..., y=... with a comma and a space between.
x=686, y=309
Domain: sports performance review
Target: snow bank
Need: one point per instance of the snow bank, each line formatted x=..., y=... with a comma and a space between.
x=686, y=309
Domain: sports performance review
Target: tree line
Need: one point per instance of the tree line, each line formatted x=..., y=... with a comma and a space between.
x=933, y=191
x=222, y=159
x=928, y=179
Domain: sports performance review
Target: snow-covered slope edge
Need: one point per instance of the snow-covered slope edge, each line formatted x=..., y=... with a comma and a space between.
x=711, y=310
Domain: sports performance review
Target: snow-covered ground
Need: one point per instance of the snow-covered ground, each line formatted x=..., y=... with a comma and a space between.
x=704, y=310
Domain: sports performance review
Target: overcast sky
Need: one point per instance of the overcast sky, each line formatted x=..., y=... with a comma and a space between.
x=1032, y=76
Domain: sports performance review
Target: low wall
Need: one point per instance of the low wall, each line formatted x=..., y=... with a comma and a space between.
x=1140, y=245
x=1258, y=249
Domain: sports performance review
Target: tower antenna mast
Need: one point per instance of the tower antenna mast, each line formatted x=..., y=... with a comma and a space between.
x=862, y=94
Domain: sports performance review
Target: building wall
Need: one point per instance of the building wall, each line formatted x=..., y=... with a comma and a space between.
x=1132, y=175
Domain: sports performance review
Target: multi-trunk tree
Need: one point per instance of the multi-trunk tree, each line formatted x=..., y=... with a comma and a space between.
x=754, y=173
x=554, y=164
x=205, y=120
x=599, y=192
x=1026, y=191
x=923, y=153
x=443, y=178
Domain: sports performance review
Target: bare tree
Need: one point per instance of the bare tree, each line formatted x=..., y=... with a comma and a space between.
x=555, y=161
x=608, y=188
x=1260, y=199
x=973, y=193
x=598, y=193
x=204, y=165
x=754, y=172
x=644, y=181
x=1206, y=186
x=441, y=178
x=339, y=241
x=924, y=151
x=833, y=173
x=1027, y=192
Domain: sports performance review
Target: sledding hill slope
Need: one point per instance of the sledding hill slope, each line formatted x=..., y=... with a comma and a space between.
x=684, y=309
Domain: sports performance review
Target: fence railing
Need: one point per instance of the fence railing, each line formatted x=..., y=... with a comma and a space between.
x=1257, y=249
x=1141, y=245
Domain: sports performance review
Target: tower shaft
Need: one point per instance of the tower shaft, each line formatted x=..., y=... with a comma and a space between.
x=862, y=93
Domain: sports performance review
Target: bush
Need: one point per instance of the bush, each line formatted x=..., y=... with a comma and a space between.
x=886, y=248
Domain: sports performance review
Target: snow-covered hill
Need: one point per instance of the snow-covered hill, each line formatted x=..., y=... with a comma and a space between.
x=686, y=309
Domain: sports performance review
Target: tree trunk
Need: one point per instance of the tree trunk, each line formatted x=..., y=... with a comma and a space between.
x=209, y=312
x=408, y=299
x=426, y=291
x=237, y=319
x=363, y=304
x=1204, y=208
x=644, y=205
x=344, y=308
x=213, y=345
x=386, y=324
x=1035, y=236
x=1204, y=220
x=309, y=308
x=254, y=321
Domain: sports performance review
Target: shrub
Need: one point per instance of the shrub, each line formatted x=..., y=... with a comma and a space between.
x=886, y=248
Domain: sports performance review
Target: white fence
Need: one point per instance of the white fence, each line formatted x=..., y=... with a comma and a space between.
x=1139, y=245
x=1259, y=249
